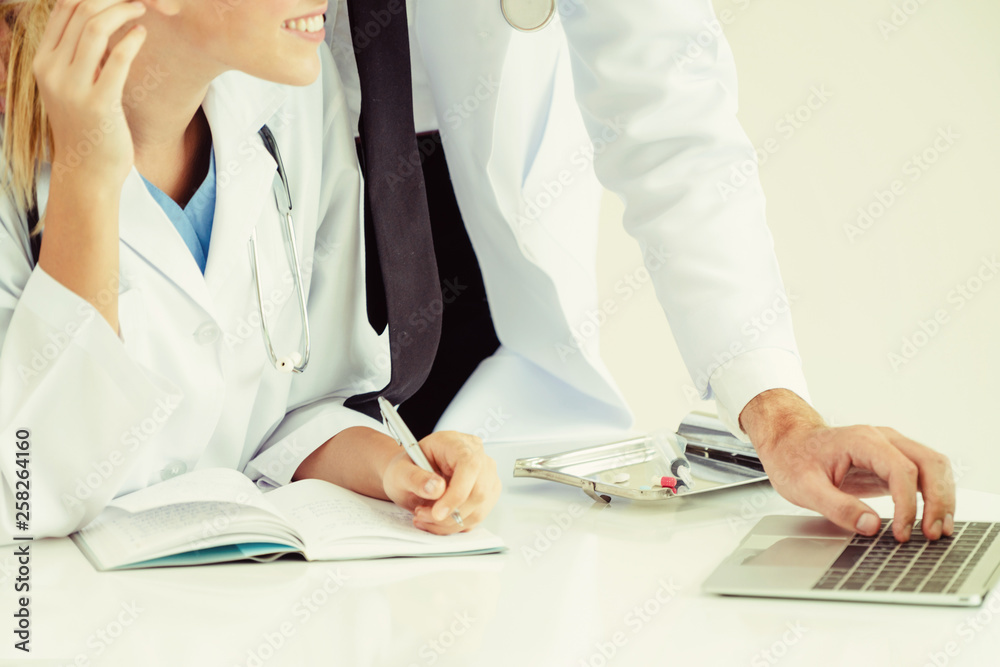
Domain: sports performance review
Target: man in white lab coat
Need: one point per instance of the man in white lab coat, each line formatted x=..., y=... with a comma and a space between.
x=641, y=95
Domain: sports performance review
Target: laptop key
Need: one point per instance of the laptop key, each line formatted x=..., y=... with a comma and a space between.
x=848, y=557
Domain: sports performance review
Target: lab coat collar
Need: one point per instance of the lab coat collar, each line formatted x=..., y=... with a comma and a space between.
x=236, y=106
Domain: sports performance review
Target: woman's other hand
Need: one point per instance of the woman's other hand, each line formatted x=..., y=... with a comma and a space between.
x=468, y=483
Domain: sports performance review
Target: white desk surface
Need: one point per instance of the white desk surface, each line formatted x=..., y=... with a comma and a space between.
x=560, y=604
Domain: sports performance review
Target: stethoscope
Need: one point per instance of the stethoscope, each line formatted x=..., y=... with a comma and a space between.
x=295, y=362
x=528, y=15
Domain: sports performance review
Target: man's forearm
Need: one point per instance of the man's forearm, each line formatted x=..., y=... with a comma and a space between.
x=773, y=414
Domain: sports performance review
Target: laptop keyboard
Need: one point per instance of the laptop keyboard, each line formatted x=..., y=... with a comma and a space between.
x=880, y=563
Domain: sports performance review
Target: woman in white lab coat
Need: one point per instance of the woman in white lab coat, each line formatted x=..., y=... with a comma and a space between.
x=122, y=363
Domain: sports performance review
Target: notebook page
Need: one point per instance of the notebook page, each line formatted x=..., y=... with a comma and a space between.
x=337, y=523
x=207, y=485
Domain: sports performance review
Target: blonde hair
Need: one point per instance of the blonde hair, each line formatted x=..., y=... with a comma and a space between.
x=27, y=136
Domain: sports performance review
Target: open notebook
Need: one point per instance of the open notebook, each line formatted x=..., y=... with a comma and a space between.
x=217, y=515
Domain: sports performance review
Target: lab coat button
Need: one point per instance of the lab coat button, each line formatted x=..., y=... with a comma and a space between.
x=206, y=334
x=173, y=469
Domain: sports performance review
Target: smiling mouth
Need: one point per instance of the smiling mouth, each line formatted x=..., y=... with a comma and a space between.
x=307, y=24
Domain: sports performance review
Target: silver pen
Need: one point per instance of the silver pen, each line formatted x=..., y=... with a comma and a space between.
x=402, y=434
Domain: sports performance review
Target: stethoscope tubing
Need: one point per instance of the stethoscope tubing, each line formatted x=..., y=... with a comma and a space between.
x=297, y=361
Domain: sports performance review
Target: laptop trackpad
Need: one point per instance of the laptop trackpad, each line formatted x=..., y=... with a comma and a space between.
x=793, y=551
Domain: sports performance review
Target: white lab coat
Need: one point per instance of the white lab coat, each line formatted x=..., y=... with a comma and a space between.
x=645, y=91
x=187, y=384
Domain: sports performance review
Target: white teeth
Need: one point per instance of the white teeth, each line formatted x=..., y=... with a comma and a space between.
x=311, y=24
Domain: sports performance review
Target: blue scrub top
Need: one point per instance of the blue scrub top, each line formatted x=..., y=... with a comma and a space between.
x=194, y=221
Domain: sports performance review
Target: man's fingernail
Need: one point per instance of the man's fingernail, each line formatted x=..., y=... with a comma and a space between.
x=906, y=532
x=440, y=512
x=867, y=523
x=431, y=486
x=949, y=524
x=937, y=528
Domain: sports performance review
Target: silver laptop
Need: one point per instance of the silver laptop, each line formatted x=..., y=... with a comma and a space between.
x=809, y=557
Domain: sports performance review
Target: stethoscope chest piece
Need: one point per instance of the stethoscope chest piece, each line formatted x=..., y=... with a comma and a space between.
x=528, y=15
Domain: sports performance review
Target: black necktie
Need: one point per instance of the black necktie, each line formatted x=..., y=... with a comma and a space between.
x=396, y=204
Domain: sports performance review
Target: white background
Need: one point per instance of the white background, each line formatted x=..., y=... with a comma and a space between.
x=890, y=91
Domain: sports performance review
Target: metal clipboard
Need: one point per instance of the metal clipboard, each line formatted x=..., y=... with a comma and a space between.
x=718, y=461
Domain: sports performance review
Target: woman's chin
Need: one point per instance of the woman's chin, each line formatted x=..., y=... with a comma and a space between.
x=303, y=79
x=301, y=73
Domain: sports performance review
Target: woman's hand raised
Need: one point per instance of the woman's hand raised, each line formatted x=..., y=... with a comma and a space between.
x=81, y=82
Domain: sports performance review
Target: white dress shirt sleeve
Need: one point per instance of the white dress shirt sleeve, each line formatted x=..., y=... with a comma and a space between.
x=735, y=384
